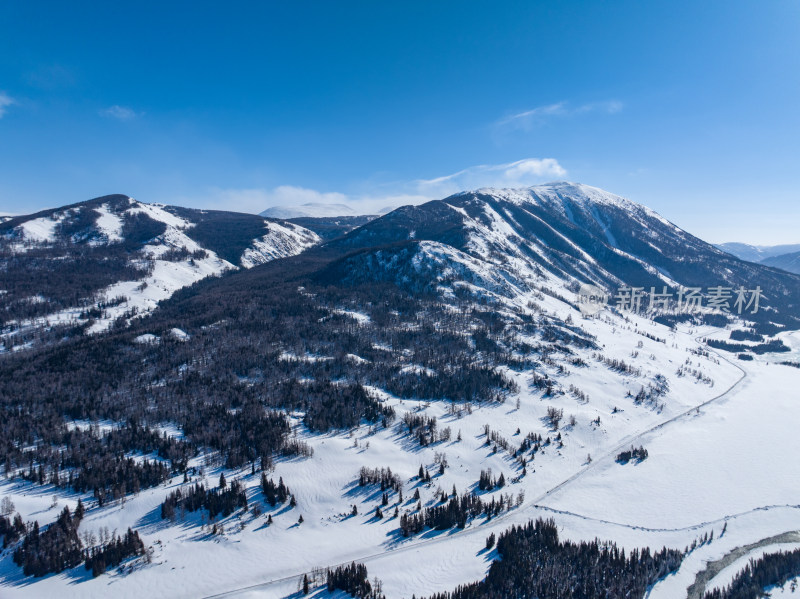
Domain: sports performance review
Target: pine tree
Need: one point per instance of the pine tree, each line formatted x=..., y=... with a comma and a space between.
x=305, y=584
x=222, y=482
x=79, y=511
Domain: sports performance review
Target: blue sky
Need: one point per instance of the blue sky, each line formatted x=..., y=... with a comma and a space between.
x=692, y=108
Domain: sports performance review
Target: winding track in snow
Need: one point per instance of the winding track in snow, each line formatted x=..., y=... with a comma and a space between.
x=632, y=439
x=610, y=455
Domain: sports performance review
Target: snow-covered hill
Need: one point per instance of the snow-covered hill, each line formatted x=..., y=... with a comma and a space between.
x=114, y=257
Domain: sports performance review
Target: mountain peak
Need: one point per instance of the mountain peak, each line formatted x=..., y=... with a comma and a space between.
x=557, y=192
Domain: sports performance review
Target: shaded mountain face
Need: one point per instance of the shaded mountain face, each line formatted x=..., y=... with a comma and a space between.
x=789, y=262
x=87, y=264
x=574, y=233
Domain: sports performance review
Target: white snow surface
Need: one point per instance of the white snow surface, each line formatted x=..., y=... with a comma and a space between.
x=40, y=230
x=281, y=240
x=110, y=224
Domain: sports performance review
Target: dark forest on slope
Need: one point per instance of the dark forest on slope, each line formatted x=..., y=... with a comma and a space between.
x=260, y=343
x=535, y=563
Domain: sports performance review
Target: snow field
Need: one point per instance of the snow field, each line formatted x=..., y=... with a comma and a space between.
x=189, y=562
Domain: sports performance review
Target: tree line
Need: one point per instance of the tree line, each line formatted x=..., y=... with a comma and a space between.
x=534, y=562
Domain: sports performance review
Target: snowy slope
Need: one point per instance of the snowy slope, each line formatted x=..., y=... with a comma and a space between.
x=190, y=562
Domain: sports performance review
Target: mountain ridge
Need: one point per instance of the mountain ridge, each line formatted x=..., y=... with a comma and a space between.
x=578, y=234
x=114, y=257
x=757, y=253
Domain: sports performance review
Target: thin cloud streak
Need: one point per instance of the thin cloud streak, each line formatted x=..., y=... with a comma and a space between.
x=537, y=116
x=521, y=173
x=5, y=102
x=121, y=113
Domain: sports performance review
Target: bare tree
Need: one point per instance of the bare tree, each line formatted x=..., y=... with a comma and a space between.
x=7, y=506
x=554, y=415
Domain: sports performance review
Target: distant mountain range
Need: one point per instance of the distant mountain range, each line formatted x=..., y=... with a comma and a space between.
x=779, y=256
x=102, y=262
x=790, y=261
x=309, y=210
x=320, y=210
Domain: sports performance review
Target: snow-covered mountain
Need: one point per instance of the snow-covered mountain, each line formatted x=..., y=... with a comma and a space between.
x=111, y=257
x=575, y=233
x=309, y=210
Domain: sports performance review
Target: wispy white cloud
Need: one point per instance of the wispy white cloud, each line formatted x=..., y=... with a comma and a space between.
x=5, y=102
x=528, y=119
x=378, y=198
x=121, y=113
x=538, y=113
x=521, y=173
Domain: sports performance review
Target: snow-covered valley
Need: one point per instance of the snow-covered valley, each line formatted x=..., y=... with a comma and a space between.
x=706, y=468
